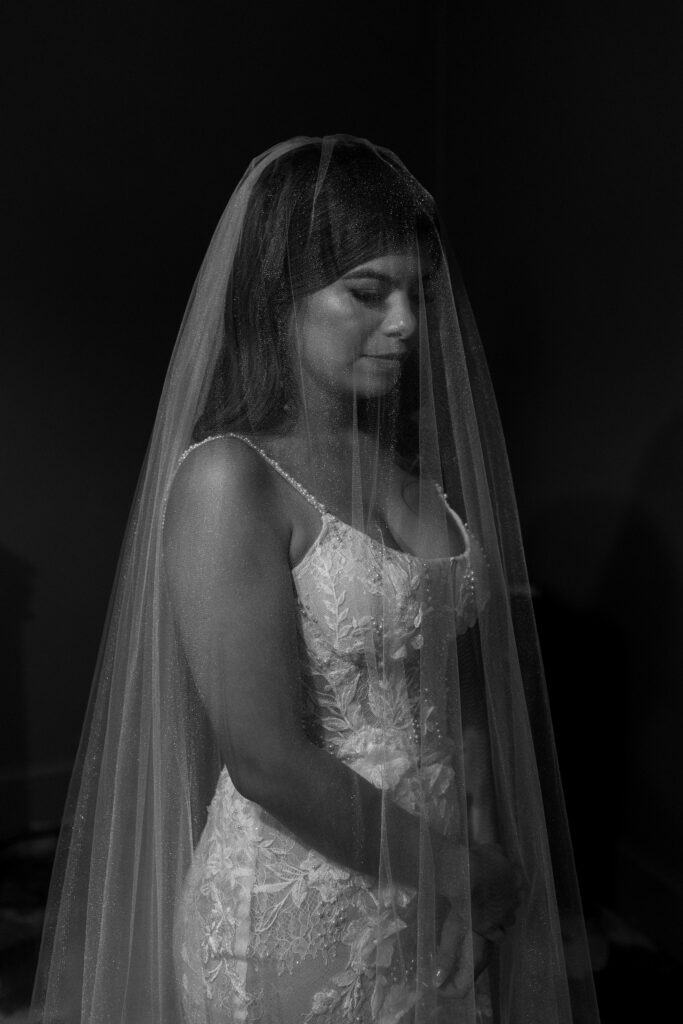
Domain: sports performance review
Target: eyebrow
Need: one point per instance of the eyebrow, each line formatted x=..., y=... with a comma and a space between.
x=378, y=275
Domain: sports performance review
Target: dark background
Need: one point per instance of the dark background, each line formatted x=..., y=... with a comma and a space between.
x=551, y=138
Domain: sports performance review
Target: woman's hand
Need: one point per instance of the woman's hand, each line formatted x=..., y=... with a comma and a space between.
x=495, y=895
x=458, y=964
x=495, y=890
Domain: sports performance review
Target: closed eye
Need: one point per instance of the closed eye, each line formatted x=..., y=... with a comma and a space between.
x=375, y=296
x=368, y=298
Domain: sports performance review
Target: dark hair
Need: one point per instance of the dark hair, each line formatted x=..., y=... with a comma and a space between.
x=308, y=221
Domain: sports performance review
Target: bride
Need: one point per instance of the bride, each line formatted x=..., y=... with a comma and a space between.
x=321, y=629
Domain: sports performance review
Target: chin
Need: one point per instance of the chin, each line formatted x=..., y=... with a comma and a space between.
x=376, y=385
x=374, y=391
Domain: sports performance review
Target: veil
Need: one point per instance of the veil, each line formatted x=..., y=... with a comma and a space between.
x=424, y=732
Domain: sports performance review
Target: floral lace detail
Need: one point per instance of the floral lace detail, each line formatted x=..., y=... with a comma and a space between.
x=255, y=899
x=365, y=985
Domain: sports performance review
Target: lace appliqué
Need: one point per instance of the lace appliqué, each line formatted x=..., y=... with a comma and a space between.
x=257, y=896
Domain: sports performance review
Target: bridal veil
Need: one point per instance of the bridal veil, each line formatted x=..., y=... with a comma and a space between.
x=150, y=756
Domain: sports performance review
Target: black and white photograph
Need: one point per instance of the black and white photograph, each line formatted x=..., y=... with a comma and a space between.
x=341, y=559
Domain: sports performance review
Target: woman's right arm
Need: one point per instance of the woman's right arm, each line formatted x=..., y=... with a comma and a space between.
x=227, y=555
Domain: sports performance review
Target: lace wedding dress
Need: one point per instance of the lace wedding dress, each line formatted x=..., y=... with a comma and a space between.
x=268, y=929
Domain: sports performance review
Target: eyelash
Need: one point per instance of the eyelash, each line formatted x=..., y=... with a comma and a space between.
x=374, y=299
x=368, y=298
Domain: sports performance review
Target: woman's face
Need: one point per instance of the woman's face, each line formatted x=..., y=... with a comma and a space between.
x=354, y=335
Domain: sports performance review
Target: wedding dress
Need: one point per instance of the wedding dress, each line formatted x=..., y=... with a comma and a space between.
x=263, y=918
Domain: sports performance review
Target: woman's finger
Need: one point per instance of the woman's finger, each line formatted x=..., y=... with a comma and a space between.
x=451, y=939
x=466, y=971
x=463, y=976
x=494, y=935
x=482, y=957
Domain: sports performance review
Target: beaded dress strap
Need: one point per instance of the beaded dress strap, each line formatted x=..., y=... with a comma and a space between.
x=284, y=474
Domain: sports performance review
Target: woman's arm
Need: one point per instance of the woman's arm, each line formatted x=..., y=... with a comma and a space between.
x=227, y=545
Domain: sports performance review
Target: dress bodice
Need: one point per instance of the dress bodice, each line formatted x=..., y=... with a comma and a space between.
x=365, y=614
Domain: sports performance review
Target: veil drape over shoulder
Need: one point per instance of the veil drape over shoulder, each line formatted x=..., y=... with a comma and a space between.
x=321, y=631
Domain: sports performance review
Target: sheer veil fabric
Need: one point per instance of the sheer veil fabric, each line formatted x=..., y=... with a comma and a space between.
x=321, y=630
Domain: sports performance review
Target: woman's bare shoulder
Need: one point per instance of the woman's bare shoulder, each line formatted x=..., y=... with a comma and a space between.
x=223, y=478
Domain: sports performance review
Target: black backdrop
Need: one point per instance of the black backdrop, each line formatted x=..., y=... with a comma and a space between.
x=551, y=138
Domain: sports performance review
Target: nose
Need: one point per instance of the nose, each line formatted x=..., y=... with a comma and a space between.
x=400, y=321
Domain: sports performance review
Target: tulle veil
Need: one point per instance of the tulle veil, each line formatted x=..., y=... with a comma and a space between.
x=149, y=758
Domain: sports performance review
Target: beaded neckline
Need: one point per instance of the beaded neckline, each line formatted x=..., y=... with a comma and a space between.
x=386, y=552
x=329, y=516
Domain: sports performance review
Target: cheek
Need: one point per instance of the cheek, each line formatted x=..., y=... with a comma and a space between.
x=343, y=317
x=341, y=333
x=320, y=319
x=332, y=329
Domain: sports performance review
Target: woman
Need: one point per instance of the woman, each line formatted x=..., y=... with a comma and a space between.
x=306, y=635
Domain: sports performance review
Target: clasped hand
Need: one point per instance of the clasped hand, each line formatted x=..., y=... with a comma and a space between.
x=495, y=894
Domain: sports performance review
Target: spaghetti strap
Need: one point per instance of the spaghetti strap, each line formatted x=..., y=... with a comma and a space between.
x=318, y=505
